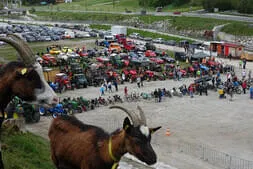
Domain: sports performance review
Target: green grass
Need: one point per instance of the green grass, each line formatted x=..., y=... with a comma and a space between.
x=180, y=23
x=95, y=5
x=154, y=35
x=238, y=29
x=26, y=151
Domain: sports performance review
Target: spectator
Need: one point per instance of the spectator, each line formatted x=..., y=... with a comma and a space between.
x=125, y=91
x=109, y=86
x=156, y=95
x=115, y=85
x=240, y=64
x=200, y=89
x=243, y=74
x=251, y=91
x=244, y=86
x=138, y=81
x=191, y=91
x=213, y=80
x=230, y=56
x=244, y=63
x=159, y=95
x=102, y=90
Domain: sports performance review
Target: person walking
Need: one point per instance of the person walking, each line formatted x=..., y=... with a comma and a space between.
x=244, y=86
x=249, y=75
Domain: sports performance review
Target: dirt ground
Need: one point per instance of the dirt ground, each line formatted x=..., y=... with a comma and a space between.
x=223, y=125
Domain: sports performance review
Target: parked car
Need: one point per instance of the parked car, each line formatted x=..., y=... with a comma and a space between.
x=134, y=35
x=170, y=42
x=150, y=53
x=168, y=59
x=181, y=56
x=157, y=60
x=150, y=46
x=159, y=40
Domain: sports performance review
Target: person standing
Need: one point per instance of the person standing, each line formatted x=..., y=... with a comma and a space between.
x=159, y=95
x=109, y=87
x=243, y=74
x=156, y=95
x=115, y=85
x=191, y=91
x=244, y=63
x=102, y=90
x=249, y=75
x=138, y=81
x=125, y=91
x=244, y=86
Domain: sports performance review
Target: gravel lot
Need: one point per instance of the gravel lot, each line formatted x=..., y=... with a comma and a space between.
x=223, y=125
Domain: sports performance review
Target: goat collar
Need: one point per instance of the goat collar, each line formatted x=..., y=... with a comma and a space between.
x=115, y=164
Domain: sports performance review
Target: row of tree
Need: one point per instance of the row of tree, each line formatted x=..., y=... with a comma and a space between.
x=242, y=6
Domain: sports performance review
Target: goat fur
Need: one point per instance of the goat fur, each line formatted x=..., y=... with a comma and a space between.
x=75, y=145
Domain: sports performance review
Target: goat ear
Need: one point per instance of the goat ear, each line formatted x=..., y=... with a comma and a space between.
x=126, y=124
x=152, y=130
x=22, y=72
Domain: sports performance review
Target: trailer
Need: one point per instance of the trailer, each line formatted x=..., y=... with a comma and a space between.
x=115, y=29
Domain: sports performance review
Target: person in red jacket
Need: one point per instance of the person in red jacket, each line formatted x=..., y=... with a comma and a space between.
x=244, y=86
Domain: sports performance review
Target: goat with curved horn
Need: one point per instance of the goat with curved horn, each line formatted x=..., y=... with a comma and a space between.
x=24, y=79
x=94, y=148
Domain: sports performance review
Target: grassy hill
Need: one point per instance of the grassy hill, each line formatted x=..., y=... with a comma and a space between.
x=25, y=151
x=109, y=6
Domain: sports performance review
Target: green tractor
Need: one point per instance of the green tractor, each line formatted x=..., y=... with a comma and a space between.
x=18, y=108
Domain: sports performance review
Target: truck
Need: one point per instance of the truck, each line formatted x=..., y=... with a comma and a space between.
x=115, y=29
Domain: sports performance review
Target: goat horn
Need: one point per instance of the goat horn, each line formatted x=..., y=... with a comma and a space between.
x=27, y=49
x=142, y=116
x=16, y=37
x=132, y=115
x=18, y=47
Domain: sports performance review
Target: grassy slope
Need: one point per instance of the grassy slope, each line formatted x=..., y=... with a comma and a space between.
x=26, y=151
x=180, y=23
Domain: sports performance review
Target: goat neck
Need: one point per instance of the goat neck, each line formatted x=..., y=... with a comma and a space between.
x=112, y=154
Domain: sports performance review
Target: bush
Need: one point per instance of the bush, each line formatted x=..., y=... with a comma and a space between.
x=32, y=10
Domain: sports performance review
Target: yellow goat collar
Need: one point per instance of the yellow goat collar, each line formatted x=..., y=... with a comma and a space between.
x=115, y=164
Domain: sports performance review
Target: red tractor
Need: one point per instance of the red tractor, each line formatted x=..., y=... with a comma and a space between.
x=121, y=38
x=63, y=80
x=129, y=45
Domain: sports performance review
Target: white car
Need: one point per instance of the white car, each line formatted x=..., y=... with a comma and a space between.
x=134, y=35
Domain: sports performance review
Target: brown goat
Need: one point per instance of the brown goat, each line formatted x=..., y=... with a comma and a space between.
x=23, y=79
x=75, y=145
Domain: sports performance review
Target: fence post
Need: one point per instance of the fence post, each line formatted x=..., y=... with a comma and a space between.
x=230, y=161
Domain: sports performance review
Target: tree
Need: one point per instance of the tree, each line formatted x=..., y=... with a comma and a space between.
x=245, y=6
